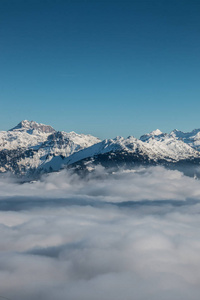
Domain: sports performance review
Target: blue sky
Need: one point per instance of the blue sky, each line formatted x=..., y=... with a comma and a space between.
x=102, y=67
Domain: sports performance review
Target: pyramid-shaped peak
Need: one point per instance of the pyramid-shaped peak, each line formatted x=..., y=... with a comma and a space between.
x=32, y=125
x=156, y=132
x=150, y=135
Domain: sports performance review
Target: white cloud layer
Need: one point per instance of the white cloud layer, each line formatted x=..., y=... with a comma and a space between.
x=131, y=235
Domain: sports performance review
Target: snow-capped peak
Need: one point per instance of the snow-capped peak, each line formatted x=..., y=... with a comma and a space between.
x=32, y=125
x=163, y=147
x=191, y=138
x=156, y=132
x=181, y=134
x=33, y=146
x=34, y=143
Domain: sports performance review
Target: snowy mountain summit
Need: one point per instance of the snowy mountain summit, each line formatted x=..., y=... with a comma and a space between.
x=27, y=146
x=33, y=148
x=155, y=133
x=32, y=125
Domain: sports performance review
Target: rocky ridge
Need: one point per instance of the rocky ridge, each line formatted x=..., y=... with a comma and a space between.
x=33, y=148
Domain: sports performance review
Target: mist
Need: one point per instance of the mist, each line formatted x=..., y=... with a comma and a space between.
x=131, y=234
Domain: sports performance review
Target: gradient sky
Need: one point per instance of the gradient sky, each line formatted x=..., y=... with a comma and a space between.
x=102, y=67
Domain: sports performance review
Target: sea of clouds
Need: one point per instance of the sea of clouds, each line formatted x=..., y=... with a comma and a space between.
x=127, y=235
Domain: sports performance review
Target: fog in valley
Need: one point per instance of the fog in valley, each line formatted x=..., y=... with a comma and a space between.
x=127, y=235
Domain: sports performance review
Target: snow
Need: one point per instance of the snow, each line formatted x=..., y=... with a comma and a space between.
x=166, y=148
x=154, y=133
x=51, y=150
x=191, y=138
x=44, y=141
x=32, y=125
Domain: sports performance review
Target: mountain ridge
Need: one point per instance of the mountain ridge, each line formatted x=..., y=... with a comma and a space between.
x=34, y=148
x=32, y=125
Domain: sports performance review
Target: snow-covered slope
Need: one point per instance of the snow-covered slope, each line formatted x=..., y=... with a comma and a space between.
x=191, y=138
x=29, y=145
x=32, y=147
x=155, y=148
x=26, y=134
x=155, y=133
x=29, y=126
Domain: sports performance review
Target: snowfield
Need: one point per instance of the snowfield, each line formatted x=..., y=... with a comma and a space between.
x=32, y=147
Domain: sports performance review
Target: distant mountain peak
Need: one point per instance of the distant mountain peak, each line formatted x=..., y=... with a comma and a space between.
x=156, y=132
x=32, y=125
x=176, y=130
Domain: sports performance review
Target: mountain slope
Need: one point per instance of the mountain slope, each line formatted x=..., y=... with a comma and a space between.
x=153, y=150
x=33, y=148
x=191, y=138
x=29, y=145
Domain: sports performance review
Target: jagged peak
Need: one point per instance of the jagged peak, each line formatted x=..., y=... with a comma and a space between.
x=32, y=125
x=195, y=133
x=156, y=132
x=118, y=138
x=196, y=130
x=176, y=130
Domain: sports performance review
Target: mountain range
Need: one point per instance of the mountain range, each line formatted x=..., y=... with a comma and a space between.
x=31, y=149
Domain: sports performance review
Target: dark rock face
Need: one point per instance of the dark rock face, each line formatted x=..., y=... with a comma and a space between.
x=57, y=138
x=31, y=148
x=9, y=159
x=116, y=160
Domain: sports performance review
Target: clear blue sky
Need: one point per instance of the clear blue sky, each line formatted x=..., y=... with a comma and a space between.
x=102, y=67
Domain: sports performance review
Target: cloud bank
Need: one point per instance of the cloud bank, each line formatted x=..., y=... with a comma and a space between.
x=129, y=235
